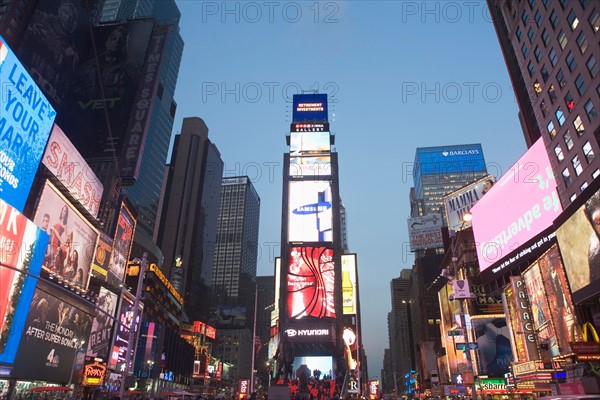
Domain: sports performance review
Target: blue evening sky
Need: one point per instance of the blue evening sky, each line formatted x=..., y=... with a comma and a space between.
x=400, y=75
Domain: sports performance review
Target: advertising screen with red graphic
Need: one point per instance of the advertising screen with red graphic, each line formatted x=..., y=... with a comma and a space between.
x=310, y=283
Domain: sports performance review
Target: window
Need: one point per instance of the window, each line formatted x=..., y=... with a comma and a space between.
x=544, y=108
x=544, y=72
x=537, y=53
x=592, y=66
x=546, y=3
x=531, y=3
x=562, y=40
x=545, y=37
x=582, y=42
x=553, y=19
x=571, y=63
x=559, y=153
x=577, y=165
x=580, y=84
x=531, y=69
x=524, y=50
x=551, y=129
x=568, y=140
x=525, y=18
x=538, y=18
x=567, y=177
x=578, y=124
x=583, y=186
x=552, y=56
x=590, y=110
x=573, y=197
x=519, y=34
x=596, y=173
x=560, y=77
x=537, y=88
x=531, y=35
x=552, y=94
x=560, y=116
x=588, y=152
x=584, y=3
x=569, y=101
x=572, y=19
x=563, y=3
x=594, y=20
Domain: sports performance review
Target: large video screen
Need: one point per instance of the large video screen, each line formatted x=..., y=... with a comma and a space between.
x=309, y=143
x=310, y=166
x=72, y=238
x=310, y=283
x=501, y=224
x=53, y=333
x=22, y=247
x=310, y=217
x=309, y=364
x=309, y=107
x=493, y=339
x=25, y=123
x=579, y=243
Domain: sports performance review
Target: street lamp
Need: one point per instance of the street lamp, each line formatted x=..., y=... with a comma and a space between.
x=149, y=378
x=78, y=345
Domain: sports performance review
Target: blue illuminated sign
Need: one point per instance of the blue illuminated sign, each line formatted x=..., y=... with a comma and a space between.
x=26, y=119
x=449, y=159
x=310, y=107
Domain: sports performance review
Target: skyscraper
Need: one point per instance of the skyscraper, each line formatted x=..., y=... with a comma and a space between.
x=400, y=331
x=188, y=218
x=234, y=278
x=553, y=59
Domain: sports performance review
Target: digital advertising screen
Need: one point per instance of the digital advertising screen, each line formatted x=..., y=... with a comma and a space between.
x=450, y=324
x=560, y=304
x=349, y=288
x=126, y=330
x=99, y=340
x=310, y=107
x=310, y=166
x=493, y=339
x=309, y=143
x=52, y=335
x=231, y=316
x=310, y=283
x=102, y=256
x=310, y=216
x=122, y=242
x=64, y=161
x=579, y=243
x=321, y=363
x=72, y=238
x=22, y=247
x=25, y=124
x=500, y=224
x=540, y=309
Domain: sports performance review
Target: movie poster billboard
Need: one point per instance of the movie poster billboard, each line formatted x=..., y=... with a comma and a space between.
x=493, y=340
x=64, y=161
x=102, y=256
x=121, y=52
x=72, y=238
x=22, y=247
x=310, y=216
x=122, y=242
x=53, y=333
x=310, y=283
x=540, y=309
x=99, y=340
x=425, y=232
x=558, y=296
x=530, y=180
x=25, y=124
x=459, y=202
x=579, y=243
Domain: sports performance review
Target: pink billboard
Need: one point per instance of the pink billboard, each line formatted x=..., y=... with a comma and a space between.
x=522, y=204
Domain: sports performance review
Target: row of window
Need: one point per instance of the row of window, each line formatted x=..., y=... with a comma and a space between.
x=593, y=19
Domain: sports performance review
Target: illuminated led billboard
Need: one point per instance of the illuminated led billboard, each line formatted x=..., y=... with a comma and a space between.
x=310, y=283
x=310, y=166
x=579, y=243
x=64, y=161
x=309, y=143
x=310, y=217
x=349, y=288
x=99, y=340
x=459, y=202
x=25, y=123
x=309, y=107
x=22, y=246
x=493, y=339
x=72, y=238
x=122, y=242
x=500, y=223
